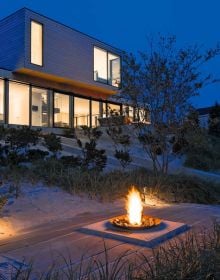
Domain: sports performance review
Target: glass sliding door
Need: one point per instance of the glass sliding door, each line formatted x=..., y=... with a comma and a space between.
x=95, y=113
x=81, y=112
x=1, y=100
x=61, y=110
x=39, y=108
x=18, y=104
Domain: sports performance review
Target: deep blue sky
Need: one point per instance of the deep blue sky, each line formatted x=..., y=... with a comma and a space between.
x=126, y=24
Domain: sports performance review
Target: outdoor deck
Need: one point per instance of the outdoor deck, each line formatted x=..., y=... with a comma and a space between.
x=49, y=243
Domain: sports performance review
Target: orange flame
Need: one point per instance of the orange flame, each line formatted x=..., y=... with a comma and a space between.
x=134, y=207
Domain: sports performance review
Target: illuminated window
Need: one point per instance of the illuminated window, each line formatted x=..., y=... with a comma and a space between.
x=113, y=109
x=39, y=108
x=107, y=67
x=114, y=78
x=36, y=43
x=104, y=110
x=95, y=113
x=100, y=65
x=61, y=110
x=128, y=111
x=1, y=100
x=18, y=104
x=81, y=112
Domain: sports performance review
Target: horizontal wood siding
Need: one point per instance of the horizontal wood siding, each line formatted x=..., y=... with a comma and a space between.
x=67, y=53
x=12, y=37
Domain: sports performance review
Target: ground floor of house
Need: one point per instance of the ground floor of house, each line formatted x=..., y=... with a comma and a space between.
x=27, y=104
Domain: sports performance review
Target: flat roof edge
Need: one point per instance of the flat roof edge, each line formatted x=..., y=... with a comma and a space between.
x=63, y=24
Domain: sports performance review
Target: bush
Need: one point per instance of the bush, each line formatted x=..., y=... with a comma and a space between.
x=2, y=132
x=123, y=157
x=203, y=151
x=51, y=170
x=17, y=143
x=92, y=158
x=69, y=132
x=22, y=137
x=214, y=121
x=115, y=184
x=70, y=161
x=53, y=143
x=36, y=154
x=121, y=142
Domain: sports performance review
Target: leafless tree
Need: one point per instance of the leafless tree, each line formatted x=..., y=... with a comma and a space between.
x=165, y=78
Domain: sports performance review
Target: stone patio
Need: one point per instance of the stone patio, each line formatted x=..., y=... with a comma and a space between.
x=148, y=237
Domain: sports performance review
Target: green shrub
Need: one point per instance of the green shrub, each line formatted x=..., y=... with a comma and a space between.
x=17, y=143
x=123, y=157
x=14, y=158
x=69, y=132
x=203, y=151
x=121, y=142
x=22, y=137
x=2, y=132
x=70, y=161
x=50, y=170
x=214, y=121
x=53, y=143
x=92, y=158
x=36, y=154
x=115, y=184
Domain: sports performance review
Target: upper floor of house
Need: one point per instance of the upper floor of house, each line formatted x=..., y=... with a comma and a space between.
x=36, y=46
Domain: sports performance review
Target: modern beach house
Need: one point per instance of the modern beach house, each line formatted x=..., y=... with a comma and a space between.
x=52, y=75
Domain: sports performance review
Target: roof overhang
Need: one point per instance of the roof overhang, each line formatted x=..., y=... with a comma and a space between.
x=76, y=85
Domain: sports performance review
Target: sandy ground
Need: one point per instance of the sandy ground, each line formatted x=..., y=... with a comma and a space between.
x=39, y=204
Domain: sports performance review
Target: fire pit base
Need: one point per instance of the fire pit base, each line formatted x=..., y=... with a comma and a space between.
x=145, y=237
x=123, y=222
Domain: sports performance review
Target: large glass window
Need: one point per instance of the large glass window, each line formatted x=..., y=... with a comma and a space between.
x=107, y=67
x=18, y=104
x=39, y=108
x=1, y=100
x=114, y=66
x=128, y=111
x=100, y=65
x=36, y=43
x=61, y=110
x=95, y=113
x=113, y=109
x=104, y=110
x=81, y=112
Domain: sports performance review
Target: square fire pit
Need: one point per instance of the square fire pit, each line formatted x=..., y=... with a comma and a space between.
x=145, y=237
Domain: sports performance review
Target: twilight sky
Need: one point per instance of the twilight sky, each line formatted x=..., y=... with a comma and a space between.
x=126, y=24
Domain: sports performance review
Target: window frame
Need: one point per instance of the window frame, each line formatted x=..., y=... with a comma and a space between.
x=107, y=65
x=9, y=98
x=53, y=111
x=90, y=109
x=3, y=101
x=42, y=25
x=31, y=103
